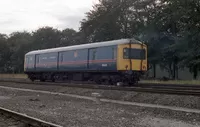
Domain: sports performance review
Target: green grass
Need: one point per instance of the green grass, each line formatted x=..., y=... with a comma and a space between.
x=192, y=82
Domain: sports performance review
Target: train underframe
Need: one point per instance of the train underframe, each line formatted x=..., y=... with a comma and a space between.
x=106, y=78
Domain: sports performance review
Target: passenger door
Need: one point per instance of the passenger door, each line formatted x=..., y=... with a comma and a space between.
x=92, y=59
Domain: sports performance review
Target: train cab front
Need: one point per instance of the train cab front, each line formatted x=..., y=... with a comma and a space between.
x=132, y=62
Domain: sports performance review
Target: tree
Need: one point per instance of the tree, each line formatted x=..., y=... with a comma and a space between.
x=71, y=37
x=4, y=53
x=110, y=19
x=16, y=42
x=46, y=37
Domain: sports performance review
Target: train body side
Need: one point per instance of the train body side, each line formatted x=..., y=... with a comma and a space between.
x=95, y=59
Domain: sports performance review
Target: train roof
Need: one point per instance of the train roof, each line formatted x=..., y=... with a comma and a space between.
x=85, y=46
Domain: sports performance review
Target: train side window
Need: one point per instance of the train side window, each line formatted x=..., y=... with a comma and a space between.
x=93, y=54
x=38, y=59
x=114, y=51
x=68, y=56
x=31, y=59
x=27, y=61
x=75, y=54
x=61, y=57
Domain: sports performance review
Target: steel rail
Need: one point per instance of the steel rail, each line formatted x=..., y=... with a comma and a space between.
x=28, y=120
x=152, y=88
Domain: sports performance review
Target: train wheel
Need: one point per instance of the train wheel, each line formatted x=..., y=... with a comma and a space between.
x=53, y=80
x=107, y=82
x=98, y=82
x=32, y=79
x=120, y=84
x=42, y=80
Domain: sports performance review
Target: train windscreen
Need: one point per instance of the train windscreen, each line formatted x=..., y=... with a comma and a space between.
x=134, y=53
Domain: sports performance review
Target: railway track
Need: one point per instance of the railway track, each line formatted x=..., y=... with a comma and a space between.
x=19, y=119
x=151, y=88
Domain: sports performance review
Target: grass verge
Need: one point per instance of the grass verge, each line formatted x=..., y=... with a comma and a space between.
x=13, y=76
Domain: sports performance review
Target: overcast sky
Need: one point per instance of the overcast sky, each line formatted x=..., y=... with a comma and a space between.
x=19, y=15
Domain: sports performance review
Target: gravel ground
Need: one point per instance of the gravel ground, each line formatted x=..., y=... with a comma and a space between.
x=161, y=99
x=6, y=121
x=74, y=112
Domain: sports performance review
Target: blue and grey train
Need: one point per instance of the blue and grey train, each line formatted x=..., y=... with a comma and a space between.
x=110, y=62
